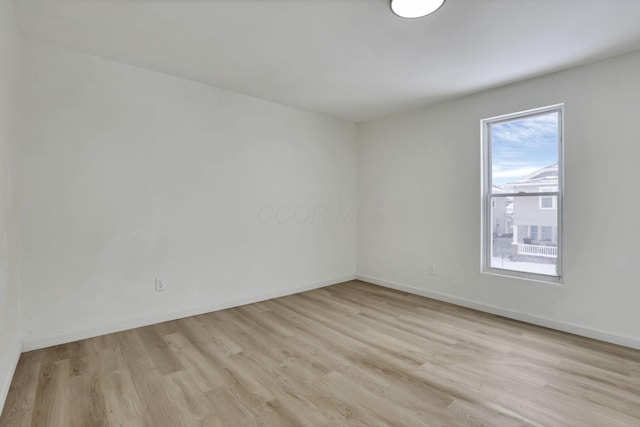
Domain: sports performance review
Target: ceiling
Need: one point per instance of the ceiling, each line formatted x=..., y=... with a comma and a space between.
x=352, y=59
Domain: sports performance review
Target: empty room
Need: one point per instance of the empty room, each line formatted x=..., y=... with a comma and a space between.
x=319, y=213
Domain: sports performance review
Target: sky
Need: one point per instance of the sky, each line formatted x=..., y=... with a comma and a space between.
x=522, y=146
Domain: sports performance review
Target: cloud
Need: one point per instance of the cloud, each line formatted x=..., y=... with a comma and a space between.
x=530, y=131
x=522, y=146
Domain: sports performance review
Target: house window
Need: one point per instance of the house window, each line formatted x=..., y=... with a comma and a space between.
x=522, y=188
x=548, y=202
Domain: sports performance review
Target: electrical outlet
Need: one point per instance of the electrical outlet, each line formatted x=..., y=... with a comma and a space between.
x=159, y=285
x=431, y=269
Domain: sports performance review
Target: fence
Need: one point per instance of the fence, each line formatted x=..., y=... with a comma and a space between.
x=535, y=250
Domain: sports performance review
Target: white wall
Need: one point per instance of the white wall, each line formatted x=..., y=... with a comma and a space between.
x=423, y=169
x=128, y=175
x=9, y=279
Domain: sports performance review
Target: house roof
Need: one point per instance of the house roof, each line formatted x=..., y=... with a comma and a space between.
x=498, y=190
x=547, y=176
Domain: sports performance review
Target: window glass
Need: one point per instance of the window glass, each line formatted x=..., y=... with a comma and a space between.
x=522, y=183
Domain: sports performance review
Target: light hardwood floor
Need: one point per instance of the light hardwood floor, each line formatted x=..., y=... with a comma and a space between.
x=349, y=354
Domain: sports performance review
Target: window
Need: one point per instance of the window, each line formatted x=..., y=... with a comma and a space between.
x=548, y=202
x=522, y=191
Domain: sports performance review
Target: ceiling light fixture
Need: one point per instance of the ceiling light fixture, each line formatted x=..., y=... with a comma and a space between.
x=415, y=8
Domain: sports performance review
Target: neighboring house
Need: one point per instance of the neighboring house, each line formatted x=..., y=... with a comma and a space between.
x=535, y=230
x=501, y=210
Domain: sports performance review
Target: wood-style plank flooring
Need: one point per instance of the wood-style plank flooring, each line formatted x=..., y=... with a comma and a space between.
x=349, y=354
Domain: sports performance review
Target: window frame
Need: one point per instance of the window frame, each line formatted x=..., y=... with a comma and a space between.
x=554, y=201
x=487, y=195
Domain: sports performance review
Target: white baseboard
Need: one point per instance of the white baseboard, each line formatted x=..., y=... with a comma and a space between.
x=30, y=344
x=6, y=381
x=571, y=328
